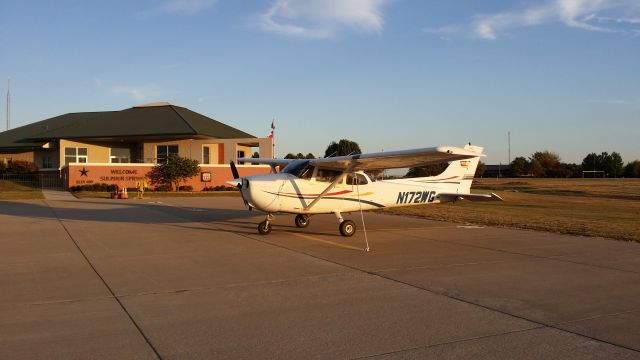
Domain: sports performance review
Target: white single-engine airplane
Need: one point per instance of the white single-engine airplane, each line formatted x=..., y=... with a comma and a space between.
x=339, y=184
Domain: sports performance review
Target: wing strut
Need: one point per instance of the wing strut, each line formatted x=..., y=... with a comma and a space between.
x=332, y=185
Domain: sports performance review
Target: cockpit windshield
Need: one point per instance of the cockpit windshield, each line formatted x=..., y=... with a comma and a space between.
x=296, y=168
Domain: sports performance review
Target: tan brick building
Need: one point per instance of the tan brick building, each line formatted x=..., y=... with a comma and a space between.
x=139, y=137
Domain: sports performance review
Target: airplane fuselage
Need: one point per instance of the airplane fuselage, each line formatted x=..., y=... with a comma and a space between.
x=287, y=193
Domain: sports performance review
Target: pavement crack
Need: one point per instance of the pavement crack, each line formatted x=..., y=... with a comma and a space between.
x=450, y=342
x=450, y=296
x=104, y=282
x=558, y=258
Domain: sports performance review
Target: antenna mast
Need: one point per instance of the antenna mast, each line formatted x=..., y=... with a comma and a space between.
x=509, y=142
x=8, y=102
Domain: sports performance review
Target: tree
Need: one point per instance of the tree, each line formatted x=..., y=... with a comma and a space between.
x=632, y=169
x=520, y=166
x=574, y=170
x=342, y=148
x=545, y=163
x=176, y=170
x=429, y=170
x=611, y=164
x=480, y=169
x=299, y=156
x=592, y=162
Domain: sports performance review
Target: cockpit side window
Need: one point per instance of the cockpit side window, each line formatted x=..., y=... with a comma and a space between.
x=326, y=175
x=356, y=179
x=307, y=172
x=296, y=168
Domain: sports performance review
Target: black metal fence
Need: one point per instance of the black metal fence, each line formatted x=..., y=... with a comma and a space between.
x=46, y=181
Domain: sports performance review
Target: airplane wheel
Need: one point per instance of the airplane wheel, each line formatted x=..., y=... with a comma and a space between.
x=347, y=228
x=302, y=221
x=264, y=228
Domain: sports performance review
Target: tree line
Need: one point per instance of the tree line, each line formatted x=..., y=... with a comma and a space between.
x=548, y=164
x=539, y=164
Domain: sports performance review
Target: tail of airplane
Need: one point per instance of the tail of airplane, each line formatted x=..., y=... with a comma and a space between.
x=461, y=171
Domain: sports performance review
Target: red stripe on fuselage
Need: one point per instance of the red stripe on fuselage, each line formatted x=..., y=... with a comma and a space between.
x=329, y=194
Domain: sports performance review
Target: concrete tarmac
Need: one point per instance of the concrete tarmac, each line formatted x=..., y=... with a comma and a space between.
x=190, y=278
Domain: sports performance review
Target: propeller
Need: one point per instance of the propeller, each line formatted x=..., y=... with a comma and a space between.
x=236, y=175
x=234, y=171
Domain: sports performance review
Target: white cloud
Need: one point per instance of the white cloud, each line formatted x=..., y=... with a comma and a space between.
x=322, y=18
x=486, y=27
x=593, y=15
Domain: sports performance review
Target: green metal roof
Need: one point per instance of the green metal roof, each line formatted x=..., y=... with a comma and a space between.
x=155, y=120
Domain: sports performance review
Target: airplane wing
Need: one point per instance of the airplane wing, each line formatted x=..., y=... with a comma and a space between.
x=448, y=197
x=267, y=161
x=395, y=159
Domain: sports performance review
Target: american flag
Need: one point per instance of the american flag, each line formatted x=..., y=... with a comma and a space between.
x=273, y=127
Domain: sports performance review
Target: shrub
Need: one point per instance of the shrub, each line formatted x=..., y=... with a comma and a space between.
x=19, y=167
x=176, y=170
x=101, y=187
x=220, y=188
x=185, y=188
x=163, y=188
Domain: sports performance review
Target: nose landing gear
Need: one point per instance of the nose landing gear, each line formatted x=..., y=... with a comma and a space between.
x=264, y=227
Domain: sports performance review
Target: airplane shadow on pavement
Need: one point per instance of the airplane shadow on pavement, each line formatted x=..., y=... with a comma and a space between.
x=127, y=212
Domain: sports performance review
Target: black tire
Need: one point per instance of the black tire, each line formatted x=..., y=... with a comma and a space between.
x=302, y=221
x=347, y=228
x=264, y=228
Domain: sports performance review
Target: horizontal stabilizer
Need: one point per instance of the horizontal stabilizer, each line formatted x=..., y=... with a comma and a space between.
x=448, y=197
x=266, y=161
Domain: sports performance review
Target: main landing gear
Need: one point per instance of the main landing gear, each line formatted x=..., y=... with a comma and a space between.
x=346, y=227
x=302, y=221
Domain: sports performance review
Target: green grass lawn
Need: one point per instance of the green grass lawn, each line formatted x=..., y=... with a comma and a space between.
x=10, y=190
x=590, y=207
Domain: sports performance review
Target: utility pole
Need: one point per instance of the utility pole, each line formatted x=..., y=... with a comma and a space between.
x=509, y=142
x=8, y=102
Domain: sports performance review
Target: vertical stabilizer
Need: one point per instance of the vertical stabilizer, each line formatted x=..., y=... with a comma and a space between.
x=461, y=171
x=469, y=166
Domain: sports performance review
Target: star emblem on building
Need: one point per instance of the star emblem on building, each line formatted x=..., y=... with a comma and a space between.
x=83, y=171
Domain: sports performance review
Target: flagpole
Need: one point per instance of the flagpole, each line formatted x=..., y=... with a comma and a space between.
x=273, y=137
x=8, y=102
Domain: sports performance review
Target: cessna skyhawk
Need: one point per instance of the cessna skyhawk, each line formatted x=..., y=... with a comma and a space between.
x=340, y=185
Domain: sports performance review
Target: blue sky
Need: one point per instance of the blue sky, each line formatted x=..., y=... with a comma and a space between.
x=560, y=75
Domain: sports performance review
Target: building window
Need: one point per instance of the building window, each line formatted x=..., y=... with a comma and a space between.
x=75, y=155
x=120, y=155
x=47, y=162
x=164, y=151
x=240, y=155
x=205, y=155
